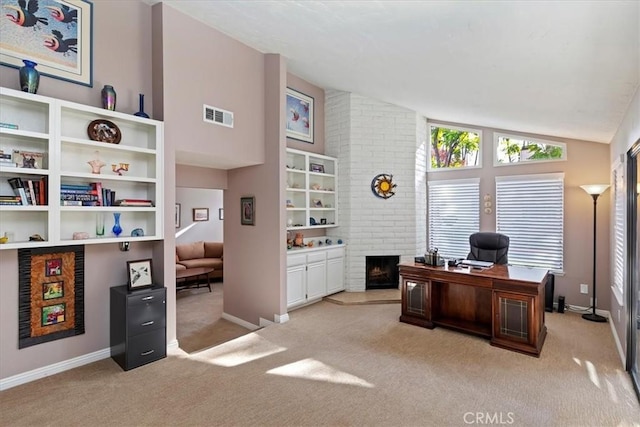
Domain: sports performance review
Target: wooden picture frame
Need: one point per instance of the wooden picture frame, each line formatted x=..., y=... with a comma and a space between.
x=200, y=214
x=300, y=116
x=248, y=210
x=72, y=62
x=139, y=274
x=177, y=215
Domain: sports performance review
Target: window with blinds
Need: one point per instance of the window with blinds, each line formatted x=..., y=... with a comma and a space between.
x=454, y=214
x=530, y=210
x=618, y=229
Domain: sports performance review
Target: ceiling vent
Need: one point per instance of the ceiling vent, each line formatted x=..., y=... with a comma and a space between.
x=217, y=116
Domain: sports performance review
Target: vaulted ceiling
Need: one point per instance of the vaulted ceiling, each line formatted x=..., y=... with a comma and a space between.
x=563, y=68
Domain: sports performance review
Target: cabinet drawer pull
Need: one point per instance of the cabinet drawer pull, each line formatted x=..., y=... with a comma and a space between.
x=146, y=353
x=149, y=298
x=150, y=322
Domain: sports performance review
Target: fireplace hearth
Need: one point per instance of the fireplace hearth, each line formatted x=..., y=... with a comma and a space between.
x=382, y=272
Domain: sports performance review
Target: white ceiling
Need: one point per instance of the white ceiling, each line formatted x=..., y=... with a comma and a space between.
x=563, y=68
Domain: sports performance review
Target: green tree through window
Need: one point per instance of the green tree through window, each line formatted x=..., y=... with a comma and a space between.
x=454, y=148
x=517, y=150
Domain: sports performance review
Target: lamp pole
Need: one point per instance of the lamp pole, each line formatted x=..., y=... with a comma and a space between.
x=594, y=191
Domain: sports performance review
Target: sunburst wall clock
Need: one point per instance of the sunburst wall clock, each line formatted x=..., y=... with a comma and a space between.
x=382, y=185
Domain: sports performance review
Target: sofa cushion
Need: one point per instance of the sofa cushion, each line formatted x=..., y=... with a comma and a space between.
x=215, y=263
x=213, y=249
x=188, y=251
x=180, y=267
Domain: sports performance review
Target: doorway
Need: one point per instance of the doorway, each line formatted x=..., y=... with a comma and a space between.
x=633, y=265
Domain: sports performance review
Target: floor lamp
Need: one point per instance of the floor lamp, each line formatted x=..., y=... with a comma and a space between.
x=594, y=190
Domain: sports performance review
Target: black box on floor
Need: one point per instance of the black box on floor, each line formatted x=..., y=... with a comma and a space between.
x=548, y=293
x=560, y=304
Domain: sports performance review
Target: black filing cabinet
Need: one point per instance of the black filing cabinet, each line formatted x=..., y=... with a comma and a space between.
x=138, y=326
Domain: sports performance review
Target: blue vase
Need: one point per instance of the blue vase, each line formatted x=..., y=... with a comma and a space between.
x=141, y=113
x=116, y=227
x=29, y=77
x=108, y=98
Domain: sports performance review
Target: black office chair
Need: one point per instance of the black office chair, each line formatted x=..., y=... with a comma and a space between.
x=488, y=246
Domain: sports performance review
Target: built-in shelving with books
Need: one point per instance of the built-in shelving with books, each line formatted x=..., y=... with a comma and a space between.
x=311, y=190
x=57, y=131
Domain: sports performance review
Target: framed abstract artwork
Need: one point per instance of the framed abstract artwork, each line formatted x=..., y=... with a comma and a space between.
x=139, y=273
x=55, y=34
x=299, y=115
x=248, y=210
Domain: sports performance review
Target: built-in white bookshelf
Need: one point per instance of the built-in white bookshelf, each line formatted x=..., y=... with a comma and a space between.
x=59, y=130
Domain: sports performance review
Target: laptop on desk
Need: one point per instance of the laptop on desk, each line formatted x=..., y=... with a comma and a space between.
x=476, y=264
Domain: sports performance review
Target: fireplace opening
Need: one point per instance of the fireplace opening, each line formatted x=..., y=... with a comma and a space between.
x=382, y=272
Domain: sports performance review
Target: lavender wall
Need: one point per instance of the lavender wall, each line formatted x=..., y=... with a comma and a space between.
x=129, y=71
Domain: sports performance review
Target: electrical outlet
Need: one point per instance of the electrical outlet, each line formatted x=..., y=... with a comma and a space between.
x=584, y=289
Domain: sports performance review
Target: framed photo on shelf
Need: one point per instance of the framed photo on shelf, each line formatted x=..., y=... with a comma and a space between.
x=247, y=210
x=299, y=114
x=28, y=159
x=177, y=215
x=316, y=167
x=68, y=23
x=139, y=273
x=200, y=214
x=220, y=214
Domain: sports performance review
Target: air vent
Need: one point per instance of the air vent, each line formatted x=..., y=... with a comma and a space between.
x=217, y=116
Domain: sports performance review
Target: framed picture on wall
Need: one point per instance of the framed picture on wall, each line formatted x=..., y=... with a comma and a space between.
x=60, y=41
x=177, y=217
x=299, y=116
x=200, y=214
x=247, y=210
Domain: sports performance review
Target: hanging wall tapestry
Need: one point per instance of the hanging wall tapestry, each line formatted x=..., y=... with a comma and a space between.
x=51, y=294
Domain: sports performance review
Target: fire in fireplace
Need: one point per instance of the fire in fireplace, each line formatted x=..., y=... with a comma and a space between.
x=382, y=272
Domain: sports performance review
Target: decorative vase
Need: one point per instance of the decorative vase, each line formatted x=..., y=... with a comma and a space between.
x=116, y=227
x=100, y=224
x=141, y=113
x=29, y=77
x=108, y=98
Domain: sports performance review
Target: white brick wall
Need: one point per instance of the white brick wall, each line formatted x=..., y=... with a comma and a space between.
x=370, y=137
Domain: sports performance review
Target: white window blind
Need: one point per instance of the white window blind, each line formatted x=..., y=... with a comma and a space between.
x=454, y=214
x=618, y=228
x=530, y=210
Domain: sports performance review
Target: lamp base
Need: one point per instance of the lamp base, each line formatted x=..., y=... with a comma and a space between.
x=594, y=317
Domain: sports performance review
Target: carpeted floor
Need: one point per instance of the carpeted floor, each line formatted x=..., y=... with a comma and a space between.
x=347, y=365
x=199, y=322
x=373, y=296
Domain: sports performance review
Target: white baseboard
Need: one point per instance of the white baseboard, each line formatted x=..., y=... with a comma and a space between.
x=238, y=321
x=56, y=368
x=65, y=365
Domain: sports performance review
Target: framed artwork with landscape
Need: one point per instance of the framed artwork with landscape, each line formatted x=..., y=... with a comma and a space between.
x=56, y=34
x=299, y=115
x=200, y=214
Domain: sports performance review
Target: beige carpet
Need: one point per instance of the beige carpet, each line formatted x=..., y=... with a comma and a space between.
x=374, y=296
x=347, y=365
x=199, y=322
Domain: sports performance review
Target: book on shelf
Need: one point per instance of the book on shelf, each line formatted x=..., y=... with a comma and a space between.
x=10, y=200
x=8, y=125
x=133, y=202
x=28, y=159
x=97, y=187
x=79, y=203
x=18, y=189
x=44, y=187
x=32, y=192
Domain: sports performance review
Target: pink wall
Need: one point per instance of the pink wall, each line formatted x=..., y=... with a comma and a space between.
x=197, y=177
x=130, y=73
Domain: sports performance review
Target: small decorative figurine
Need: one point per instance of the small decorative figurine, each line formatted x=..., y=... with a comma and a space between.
x=119, y=168
x=96, y=164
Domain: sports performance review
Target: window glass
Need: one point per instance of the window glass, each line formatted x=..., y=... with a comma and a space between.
x=453, y=147
x=510, y=149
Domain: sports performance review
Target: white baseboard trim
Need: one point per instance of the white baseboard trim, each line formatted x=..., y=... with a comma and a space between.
x=281, y=318
x=65, y=365
x=623, y=357
x=238, y=321
x=56, y=368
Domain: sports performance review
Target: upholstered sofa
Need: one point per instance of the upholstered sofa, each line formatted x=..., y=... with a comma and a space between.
x=201, y=254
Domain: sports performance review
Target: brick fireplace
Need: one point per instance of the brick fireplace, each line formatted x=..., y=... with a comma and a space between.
x=370, y=137
x=382, y=272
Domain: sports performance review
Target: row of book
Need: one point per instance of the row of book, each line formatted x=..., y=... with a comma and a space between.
x=26, y=192
x=93, y=194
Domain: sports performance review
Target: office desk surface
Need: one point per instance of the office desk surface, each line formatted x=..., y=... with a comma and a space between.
x=512, y=273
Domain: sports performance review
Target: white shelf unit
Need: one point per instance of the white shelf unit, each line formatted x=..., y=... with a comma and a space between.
x=312, y=193
x=59, y=130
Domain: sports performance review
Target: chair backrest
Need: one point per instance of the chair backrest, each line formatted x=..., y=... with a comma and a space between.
x=488, y=246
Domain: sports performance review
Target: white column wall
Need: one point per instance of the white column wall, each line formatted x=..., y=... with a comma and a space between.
x=370, y=137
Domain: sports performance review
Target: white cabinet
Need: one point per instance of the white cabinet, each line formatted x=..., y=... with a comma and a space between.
x=313, y=274
x=311, y=190
x=57, y=131
x=335, y=270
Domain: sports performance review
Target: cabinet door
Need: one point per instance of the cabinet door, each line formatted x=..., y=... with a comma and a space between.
x=513, y=318
x=296, y=285
x=335, y=275
x=316, y=280
x=416, y=307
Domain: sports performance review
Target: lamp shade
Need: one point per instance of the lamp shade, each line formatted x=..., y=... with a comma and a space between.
x=595, y=188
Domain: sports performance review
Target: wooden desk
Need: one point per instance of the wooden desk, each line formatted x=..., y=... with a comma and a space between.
x=502, y=303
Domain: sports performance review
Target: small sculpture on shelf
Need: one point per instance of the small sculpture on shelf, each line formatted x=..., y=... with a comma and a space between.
x=96, y=164
x=120, y=167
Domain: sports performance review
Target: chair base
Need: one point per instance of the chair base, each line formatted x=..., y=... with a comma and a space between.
x=594, y=318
